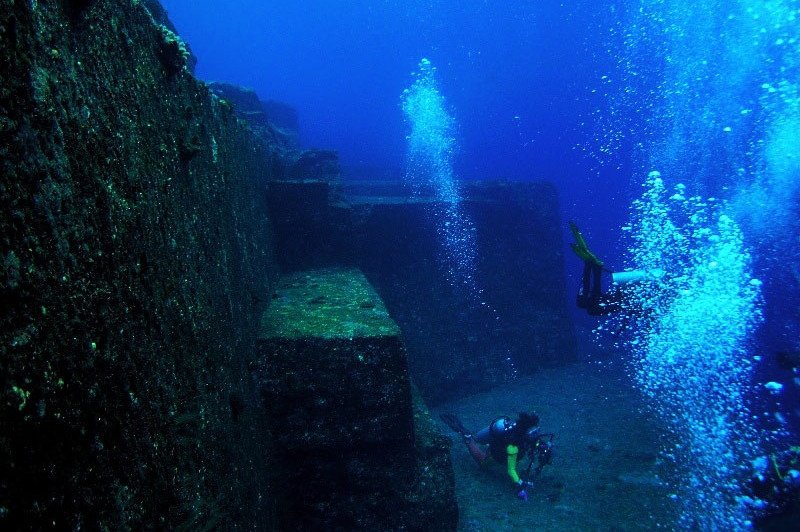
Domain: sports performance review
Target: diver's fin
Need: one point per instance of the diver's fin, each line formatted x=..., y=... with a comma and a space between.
x=576, y=234
x=580, y=247
x=454, y=423
x=579, y=252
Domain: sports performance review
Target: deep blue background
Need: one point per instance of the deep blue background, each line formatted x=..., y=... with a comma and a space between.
x=526, y=81
x=343, y=66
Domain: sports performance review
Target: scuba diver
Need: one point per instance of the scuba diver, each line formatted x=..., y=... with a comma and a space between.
x=590, y=295
x=509, y=442
x=775, y=489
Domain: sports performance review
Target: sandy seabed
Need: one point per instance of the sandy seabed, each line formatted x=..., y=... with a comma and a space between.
x=608, y=471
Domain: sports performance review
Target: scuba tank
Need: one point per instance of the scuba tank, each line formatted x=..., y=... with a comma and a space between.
x=635, y=276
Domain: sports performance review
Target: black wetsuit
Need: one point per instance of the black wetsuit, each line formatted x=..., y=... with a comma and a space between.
x=590, y=295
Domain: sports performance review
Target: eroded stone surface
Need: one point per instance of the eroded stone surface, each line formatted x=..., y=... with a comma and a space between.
x=134, y=255
x=512, y=320
x=354, y=441
x=333, y=303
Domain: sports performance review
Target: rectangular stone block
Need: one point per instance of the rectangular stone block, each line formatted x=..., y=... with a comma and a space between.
x=334, y=369
x=356, y=452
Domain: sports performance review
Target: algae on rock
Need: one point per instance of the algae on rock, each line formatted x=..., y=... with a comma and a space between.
x=134, y=240
x=356, y=447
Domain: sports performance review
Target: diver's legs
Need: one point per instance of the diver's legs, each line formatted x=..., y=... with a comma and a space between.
x=484, y=437
x=583, y=293
x=476, y=452
x=587, y=276
x=596, y=273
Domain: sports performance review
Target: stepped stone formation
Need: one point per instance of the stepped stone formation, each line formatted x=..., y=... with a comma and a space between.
x=273, y=122
x=461, y=342
x=135, y=264
x=457, y=345
x=352, y=442
x=151, y=375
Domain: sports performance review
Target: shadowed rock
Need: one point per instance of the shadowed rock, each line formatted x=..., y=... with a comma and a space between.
x=354, y=443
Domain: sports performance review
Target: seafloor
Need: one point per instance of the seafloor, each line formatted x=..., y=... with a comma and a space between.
x=607, y=472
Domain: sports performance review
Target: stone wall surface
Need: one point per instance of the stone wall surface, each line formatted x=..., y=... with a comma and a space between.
x=357, y=450
x=461, y=339
x=274, y=122
x=511, y=320
x=135, y=256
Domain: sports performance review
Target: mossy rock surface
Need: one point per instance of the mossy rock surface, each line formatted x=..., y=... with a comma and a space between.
x=329, y=303
x=134, y=239
x=357, y=448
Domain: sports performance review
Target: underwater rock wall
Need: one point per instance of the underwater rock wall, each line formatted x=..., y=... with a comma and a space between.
x=357, y=450
x=458, y=342
x=134, y=255
x=273, y=122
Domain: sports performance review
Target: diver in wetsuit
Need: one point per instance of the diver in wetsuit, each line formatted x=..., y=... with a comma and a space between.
x=509, y=442
x=774, y=487
x=590, y=295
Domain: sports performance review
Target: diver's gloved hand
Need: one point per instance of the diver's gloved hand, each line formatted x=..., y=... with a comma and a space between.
x=467, y=437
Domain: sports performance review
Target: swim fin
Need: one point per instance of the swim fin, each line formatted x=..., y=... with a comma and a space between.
x=580, y=247
x=454, y=423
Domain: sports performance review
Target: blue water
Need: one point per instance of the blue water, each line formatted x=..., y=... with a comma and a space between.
x=430, y=170
x=595, y=97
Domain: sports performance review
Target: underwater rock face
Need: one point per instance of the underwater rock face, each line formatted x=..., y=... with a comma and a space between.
x=273, y=121
x=133, y=250
x=357, y=450
x=160, y=15
x=276, y=124
x=318, y=165
x=457, y=342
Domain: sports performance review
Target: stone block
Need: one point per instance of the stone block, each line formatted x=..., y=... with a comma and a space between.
x=512, y=321
x=353, y=441
x=335, y=367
